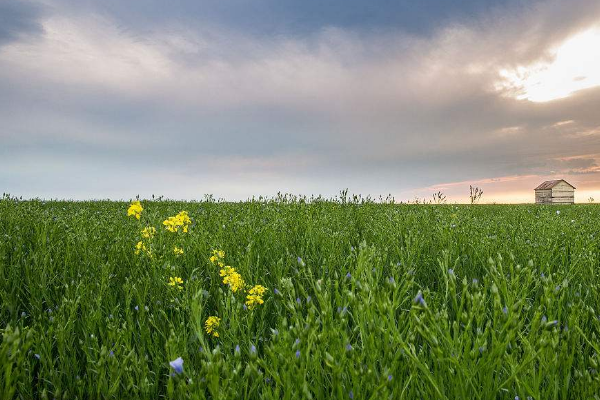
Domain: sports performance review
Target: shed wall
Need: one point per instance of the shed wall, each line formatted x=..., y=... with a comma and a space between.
x=543, y=196
x=563, y=193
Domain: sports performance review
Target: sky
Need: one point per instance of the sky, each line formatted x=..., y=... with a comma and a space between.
x=242, y=98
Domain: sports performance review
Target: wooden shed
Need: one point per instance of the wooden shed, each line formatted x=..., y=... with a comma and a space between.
x=555, y=192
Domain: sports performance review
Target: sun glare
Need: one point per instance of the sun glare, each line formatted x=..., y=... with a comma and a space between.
x=575, y=66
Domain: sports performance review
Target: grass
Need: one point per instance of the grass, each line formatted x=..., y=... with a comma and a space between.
x=363, y=301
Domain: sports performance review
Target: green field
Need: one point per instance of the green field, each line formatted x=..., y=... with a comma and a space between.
x=362, y=300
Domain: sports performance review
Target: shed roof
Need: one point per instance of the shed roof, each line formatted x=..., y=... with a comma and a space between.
x=551, y=184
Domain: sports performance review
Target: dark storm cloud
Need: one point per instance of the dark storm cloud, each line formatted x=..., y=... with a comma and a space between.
x=19, y=19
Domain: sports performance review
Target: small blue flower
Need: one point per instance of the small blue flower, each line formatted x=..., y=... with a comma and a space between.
x=276, y=291
x=351, y=394
x=298, y=300
x=252, y=349
x=450, y=271
x=553, y=323
x=237, y=349
x=391, y=279
x=297, y=342
x=136, y=308
x=475, y=281
x=544, y=319
x=348, y=347
x=420, y=300
x=297, y=353
x=301, y=262
x=348, y=276
x=505, y=310
x=177, y=365
x=112, y=353
x=481, y=349
x=390, y=377
x=245, y=307
x=308, y=299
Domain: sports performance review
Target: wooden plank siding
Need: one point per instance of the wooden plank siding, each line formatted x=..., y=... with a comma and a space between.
x=543, y=196
x=563, y=193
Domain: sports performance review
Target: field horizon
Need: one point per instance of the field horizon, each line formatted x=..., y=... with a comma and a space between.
x=286, y=197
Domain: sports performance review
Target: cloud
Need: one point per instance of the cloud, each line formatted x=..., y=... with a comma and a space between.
x=18, y=20
x=374, y=110
x=289, y=18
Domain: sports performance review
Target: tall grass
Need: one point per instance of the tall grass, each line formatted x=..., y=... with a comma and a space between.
x=364, y=301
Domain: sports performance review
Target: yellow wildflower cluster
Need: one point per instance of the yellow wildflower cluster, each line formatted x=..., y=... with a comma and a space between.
x=255, y=296
x=148, y=232
x=181, y=220
x=211, y=325
x=232, y=278
x=135, y=209
x=140, y=247
x=236, y=283
x=177, y=251
x=176, y=281
x=218, y=258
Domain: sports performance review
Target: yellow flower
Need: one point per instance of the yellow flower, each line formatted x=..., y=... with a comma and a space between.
x=235, y=281
x=176, y=282
x=184, y=217
x=232, y=278
x=141, y=247
x=181, y=220
x=135, y=209
x=226, y=271
x=171, y=224
x=217, y=258
x=177, y=250
x=211, y=325
x=255, y=296
x=258, y=290
x=148, y=232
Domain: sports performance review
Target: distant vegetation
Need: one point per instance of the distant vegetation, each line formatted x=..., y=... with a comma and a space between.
x=291, y=298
